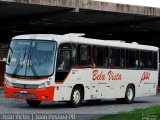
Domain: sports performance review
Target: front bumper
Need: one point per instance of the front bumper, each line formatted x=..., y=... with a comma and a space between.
x=41, y=94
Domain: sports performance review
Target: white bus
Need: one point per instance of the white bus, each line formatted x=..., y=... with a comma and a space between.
x=73, y=68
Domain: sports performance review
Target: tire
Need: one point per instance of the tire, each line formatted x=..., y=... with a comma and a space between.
x=129, y=95
x=76, y=97
x=33, y=103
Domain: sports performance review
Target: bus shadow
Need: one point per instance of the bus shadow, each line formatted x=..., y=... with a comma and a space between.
x=62, y=105
x=107, y=103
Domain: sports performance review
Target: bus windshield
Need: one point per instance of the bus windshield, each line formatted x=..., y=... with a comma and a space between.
x=30, y=58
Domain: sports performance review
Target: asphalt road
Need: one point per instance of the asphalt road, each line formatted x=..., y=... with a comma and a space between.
x=86, y=111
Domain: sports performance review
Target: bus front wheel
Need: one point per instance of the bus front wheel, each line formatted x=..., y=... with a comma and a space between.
x=76, y=97
x=33, y=103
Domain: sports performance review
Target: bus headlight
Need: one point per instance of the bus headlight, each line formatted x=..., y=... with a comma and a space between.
x=42, y=85
x=45, y=84
x=7, y=82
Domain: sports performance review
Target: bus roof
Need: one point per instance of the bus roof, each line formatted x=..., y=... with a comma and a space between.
x=76, y=38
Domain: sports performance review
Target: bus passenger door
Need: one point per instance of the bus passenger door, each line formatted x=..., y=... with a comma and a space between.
x=63, y=62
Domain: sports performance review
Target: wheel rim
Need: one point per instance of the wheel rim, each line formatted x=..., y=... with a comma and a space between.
x=130, y=94
x=76, y=96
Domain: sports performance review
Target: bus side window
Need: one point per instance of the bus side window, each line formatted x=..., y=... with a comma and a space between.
x=155, y=61
x=122, y=58
x=74, y=55
x=117, y=57
x=127, y=59
x=111, y=61
x=84, y=55
x=145, y=56
x=100, y=56
x=94, y=56
x=150, y=61
x=137, y=59
x=106, y=57
x=132, y=59
x=141, y=60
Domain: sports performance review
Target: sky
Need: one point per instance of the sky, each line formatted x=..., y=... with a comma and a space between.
x=149, y=3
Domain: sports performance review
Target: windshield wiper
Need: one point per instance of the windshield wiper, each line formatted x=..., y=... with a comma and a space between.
x=19, y=65
x=32, y=67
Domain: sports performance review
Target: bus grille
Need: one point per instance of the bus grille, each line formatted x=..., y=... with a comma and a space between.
x=26, y=96
x=27, y=86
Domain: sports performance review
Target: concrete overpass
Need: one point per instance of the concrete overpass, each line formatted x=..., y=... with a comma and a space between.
x=97, y=19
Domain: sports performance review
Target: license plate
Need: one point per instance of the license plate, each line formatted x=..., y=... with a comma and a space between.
x=25, y=96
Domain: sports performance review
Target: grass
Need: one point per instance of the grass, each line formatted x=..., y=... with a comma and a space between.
x=150, y=113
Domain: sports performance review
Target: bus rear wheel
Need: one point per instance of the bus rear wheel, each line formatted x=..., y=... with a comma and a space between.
x=33, y=103
x=129, y=95
x=76, y=97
